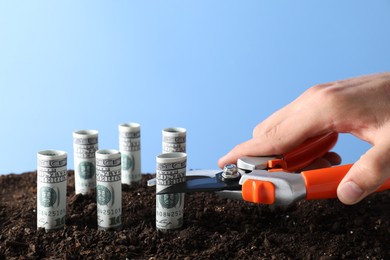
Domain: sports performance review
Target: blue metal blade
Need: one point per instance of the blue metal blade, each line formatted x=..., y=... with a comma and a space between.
x=216, y=183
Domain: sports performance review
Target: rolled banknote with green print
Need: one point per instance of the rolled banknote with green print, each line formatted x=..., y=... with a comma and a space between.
x=85, y=144
x=108, y=189
x=170, y=169
x=130, y=149
x=51, y=189
x=174, y=139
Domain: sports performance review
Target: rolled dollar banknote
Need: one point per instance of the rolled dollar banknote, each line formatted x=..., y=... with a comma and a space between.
x=174, y=139
x=51, y=189
x=108, y=189
x=85, y=144
x=170, y=169
x=130, y=149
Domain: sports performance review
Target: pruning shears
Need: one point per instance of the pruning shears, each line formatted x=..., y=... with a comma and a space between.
x=273, y=179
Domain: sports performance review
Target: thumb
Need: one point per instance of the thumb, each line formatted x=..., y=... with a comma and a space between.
x=366, y=175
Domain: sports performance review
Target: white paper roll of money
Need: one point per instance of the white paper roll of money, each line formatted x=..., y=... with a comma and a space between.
x=170, y=169
x=174, y=139
x=108, y=189
x=85, y=144
x=51, y=189
x=130, y=149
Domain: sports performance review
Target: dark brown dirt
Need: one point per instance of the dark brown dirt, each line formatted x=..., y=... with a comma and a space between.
x=214, y=228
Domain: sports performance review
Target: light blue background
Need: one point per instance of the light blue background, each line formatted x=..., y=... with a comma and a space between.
x=217, y=68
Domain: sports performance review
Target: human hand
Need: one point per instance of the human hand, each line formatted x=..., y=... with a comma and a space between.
x=360, y=106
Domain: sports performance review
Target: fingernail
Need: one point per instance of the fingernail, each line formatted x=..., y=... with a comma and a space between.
x=222, y=159
x=350, y=192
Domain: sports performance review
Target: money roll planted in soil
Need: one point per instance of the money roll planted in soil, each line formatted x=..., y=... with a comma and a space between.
x=108, y=189
x=130, y=149
x=174, y=139
x=51, y=189
x=85, y=144
x=170, y=169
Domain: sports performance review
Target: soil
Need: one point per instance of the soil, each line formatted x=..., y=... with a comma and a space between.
x=214, y=228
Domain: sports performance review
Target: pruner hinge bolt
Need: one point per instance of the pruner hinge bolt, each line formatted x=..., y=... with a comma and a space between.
x=230, y=171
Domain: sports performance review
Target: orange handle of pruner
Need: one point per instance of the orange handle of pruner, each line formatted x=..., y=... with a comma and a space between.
x=305, y=153
x=323, y=183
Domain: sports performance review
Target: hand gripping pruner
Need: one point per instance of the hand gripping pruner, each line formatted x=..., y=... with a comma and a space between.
x=271, y=179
